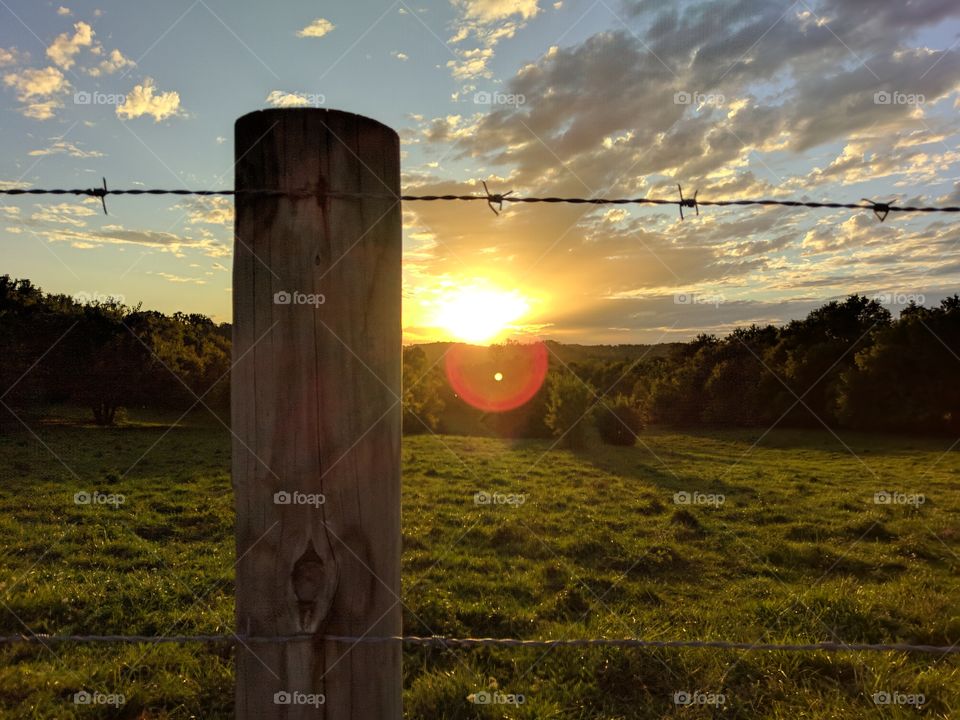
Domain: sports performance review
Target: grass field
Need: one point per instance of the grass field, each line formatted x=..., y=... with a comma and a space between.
x=798, y=551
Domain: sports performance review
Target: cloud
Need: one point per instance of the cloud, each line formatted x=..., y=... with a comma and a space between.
x=118, y=235
x=63, y=213
x=493, y=11
x=62, y=147
x=487, y=22
x=143, y=100
x=63, y=10
x=318, y=28
x=179, y=279
x=10, y=56
x=38, y=91
x=282, y=99
x=403, y=57
x=36, y=83
x=64, y=48
x=209, y=210
x=114, y=62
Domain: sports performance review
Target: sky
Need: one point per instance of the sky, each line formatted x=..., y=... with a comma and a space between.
x=830, y=100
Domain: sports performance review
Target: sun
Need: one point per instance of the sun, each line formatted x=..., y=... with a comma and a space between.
x=476, y=314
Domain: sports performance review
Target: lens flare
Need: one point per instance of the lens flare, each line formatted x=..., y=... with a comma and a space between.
x=497, y=378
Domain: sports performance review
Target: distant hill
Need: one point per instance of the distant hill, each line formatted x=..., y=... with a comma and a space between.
x=569, y=353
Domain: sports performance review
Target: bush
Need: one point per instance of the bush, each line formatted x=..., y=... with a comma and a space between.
x=620, y=422
x=569, y=409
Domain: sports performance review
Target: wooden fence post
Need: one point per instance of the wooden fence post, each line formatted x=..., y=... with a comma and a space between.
x=316, y=415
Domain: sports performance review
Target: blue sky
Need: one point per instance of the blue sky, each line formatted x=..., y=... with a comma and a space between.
x=738, y=98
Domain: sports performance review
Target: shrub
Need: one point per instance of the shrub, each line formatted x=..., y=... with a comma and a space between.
x=620, y=422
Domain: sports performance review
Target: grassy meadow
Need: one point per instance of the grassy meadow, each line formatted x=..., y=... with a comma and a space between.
x=789, y=547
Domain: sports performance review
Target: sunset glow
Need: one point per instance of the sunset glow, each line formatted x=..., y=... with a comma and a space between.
x=479, y=314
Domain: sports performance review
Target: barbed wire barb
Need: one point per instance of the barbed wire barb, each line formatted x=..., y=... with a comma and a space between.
x=688, y=202
x=495, y=198
x=881, y=210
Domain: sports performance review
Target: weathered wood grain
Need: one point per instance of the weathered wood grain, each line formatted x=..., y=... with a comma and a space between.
x=315, y=410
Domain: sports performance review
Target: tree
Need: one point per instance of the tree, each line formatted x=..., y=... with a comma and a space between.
x=569, y=409
x=422, y=388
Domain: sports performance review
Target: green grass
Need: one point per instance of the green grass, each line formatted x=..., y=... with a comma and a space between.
x=798, y=552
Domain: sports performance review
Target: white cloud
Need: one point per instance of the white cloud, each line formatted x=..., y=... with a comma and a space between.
x=37, y=89
x=283, y=99
x=9, y=56
x=318, y=28
x=64, y=49
x=41, y=110
x=488, y=22
x=114, y=62
x=209, y=210
x=63, y=10
x=143, y=100
x=400, y=56
x=62, y=147
x=492, y=11
x=36, y=83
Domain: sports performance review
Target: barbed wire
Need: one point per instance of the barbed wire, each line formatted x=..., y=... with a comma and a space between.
x=495, y=201
x=448, y=642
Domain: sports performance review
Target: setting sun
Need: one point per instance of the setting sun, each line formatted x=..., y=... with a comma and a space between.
x=479, y=314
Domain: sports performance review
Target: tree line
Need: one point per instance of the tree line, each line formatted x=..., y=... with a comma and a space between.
x=849, y=363
x=106, y=356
